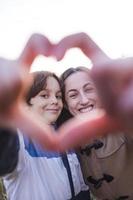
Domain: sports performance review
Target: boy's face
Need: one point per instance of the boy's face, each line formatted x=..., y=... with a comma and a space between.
x=48, y=102
x=80, y=93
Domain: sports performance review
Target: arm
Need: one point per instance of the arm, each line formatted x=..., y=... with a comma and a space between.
x=14, y=83
x=14, y=78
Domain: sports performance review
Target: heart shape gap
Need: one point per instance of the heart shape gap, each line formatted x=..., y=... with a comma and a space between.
x=74, y=57
x=13, y=109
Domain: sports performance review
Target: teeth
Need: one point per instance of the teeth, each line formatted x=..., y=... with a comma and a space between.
x=88, y=109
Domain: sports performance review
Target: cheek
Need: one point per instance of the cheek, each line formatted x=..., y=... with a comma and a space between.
x=36, y=101
x=95, y=97
x=92, y=96
x=72, y=104
x=36, y=109
x=38, y=105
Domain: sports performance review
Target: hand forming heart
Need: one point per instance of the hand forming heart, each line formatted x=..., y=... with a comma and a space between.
x=114, y=81
x=15, y=80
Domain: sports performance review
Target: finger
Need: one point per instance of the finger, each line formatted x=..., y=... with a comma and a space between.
x=36, y=45
x=82, y=41
x=60, y=49
x=68, y=42
x=91, y=49
x=10, y=84
x=111, y=79
x=78, y=132
x=125, y=106
x=33, y=126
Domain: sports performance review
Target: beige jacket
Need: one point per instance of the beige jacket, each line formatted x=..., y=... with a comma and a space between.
x=108, y=170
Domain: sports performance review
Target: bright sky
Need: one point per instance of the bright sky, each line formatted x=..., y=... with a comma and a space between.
x=108, y=22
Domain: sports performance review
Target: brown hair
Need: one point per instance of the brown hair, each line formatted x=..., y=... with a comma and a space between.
x=39, y=83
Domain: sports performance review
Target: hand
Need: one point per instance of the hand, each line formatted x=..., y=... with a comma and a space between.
x=79, y=131
x=14, y=78
x=84, y=43
x=114, y=81
x=14, y=83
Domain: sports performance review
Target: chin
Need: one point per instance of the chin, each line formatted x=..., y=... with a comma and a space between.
x=53, y=120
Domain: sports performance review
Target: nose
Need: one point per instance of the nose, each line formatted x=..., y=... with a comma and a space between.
x=83, y=99
x=54, y=100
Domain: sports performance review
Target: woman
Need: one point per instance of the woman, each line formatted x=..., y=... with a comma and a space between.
x=34, y=173
x=107, y=162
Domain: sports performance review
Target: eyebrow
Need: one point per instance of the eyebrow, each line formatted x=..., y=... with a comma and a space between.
x=59, y=91
x=89, y=84
x=46, y=90
x=74, y=90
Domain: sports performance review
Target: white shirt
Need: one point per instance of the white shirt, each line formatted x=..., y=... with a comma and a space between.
x=41, y=175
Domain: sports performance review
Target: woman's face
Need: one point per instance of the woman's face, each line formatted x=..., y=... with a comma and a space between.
x=48, y=102
x=80, y=93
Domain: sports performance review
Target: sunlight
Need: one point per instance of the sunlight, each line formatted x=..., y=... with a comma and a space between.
x=108, y=22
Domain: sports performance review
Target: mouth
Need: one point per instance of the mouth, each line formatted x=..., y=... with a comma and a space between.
x=87, y=108
x=52, y=110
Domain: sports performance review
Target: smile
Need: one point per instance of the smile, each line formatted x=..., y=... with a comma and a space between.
x=86, y=109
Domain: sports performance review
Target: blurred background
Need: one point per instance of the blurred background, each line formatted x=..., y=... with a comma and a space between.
x=108, y=22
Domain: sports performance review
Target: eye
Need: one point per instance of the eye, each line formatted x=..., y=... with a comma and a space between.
x=59, y=96
x=45, y=96
x=88, y=90
x=73, y=96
